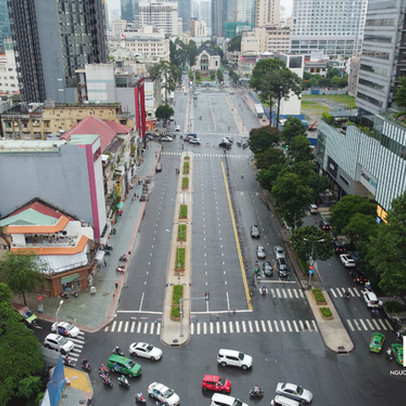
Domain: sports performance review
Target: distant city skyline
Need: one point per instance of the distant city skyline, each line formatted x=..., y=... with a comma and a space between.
x=288, y=4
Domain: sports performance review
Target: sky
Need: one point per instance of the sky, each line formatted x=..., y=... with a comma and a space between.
x=115, y=4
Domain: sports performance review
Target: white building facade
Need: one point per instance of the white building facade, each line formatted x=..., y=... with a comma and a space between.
x=161, y=14
x=267, y=12
x=8, y=69
x=334, y=26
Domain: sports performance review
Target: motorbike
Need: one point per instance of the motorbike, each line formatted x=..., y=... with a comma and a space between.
x=120, y=268
x=140, y=399
x=347, y=294
x=107, y=381
x=374, y=312
x=65, y=295
x=117, y=350
x=143, y=198
x=263, y=290
x=388, y=354
x=74, y=293
x=123, y=381
x=85, y=365
x=68, y=362
x=108, y=247
x=103, y=370
x=113, y=231
x=123, y=258
x=256, y=393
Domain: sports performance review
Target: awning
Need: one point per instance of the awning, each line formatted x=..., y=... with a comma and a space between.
x=70, y=278
x=120, y=205
x=100, y=255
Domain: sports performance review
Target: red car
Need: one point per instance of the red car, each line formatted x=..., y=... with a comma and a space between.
x=216, y=383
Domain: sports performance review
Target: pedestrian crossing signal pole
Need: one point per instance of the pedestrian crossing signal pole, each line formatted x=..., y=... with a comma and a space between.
x=206, y=297
x=310, y=275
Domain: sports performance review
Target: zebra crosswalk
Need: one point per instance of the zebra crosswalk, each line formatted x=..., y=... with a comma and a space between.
x=79, y=342
x=369, y=324
x=340, y=292
x=218, y=327
x=215, y=155
x=279, y=293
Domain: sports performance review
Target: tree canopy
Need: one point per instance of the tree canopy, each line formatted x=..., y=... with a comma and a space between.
x=22, y=273
x=292, y=127
x=168, y=73
x=262, y=138
x=164, y=113
x=299, y=149
x=273, y=80
x=235, y=44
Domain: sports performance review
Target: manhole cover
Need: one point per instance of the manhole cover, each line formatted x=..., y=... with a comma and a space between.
x=175, y=341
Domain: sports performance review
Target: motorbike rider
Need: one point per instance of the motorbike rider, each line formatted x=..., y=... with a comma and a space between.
x=85, y=362
x=257, y=390
x=139, y=396
x=123, y=379
x=388, y=353
x=347, y=293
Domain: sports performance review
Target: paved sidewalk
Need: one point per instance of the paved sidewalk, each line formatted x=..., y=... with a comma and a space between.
x=92, y=312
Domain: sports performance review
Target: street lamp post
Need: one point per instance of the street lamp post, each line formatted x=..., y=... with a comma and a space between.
x=312, y=261
x=56, y=316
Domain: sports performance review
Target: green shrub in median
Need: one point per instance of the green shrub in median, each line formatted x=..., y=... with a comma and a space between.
x=326, y=312
x=182, y=232
x=180, y=258
x=185, y=183
x=177, y=293
x=186, y=168
x=183, y=211
x=318, y=295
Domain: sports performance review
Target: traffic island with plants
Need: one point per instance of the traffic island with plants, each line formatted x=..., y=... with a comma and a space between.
x=182, y=232
x=326, y=313
x=185, y=183
x=183, y=211
x=180, y=259
x=186, y=168
x=319, y=297
x=177, y=294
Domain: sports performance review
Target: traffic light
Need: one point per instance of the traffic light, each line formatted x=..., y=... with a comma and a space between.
x=206, y=296
x=286, y=147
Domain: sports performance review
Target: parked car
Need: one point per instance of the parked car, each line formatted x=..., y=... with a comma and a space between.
x=347, y=261
x=158, y=167
x=219, y=399
x=267, y=268
x=358, y=276
x=255, y=231
x=58, y=343
x=260, y=252
x=283, y=267
x=216, y=383
x=234, y=358
x=324, y=225
x=278, y=251
x=376, y=342
x=338, y=247
x=65, y=329
x=124, y=365
x=371, y=299
x=163, y=394
x=145, y=350
x=280, y=400
x=295, y=392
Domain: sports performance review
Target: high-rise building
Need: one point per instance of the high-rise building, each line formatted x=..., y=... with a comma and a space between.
x=245, y=11
x=161, y=14
x=184, y=10
x=267, y=12
x=218, y=17
x=334, y=26
x=383, y=54
x=129, y=8
x=4, y=22
x=54, y=38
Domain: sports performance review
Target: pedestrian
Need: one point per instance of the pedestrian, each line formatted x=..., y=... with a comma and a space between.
x=116, y=285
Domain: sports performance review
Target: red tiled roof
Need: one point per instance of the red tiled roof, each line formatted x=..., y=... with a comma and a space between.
x=93, y=125
x=119, y=128
x=42, y=208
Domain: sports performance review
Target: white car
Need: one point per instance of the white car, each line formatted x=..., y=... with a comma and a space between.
x=294, y=391
x=234, y=358
x=218, y=399
x=347, y=260
x=371, y=299
x=59, y=343
x=313, y=209
x=261, y=254
x=163, y=394
x=65, y=329
x=167, y=138
x=177, y=128
x=195, y=141
x=279, y=252
x=145, y=350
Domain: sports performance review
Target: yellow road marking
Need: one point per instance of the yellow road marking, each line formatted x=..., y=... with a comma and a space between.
x=237, y=242
x=212, y=115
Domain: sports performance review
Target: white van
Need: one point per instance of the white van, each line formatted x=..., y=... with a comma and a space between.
x=280, y=400
x=219, y=399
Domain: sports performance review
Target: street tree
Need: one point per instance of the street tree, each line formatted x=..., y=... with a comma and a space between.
x=191, y=52
x=23, y=272
x=235, y=43
x=310, y=242
x=274, y=81
x=20, y=354
x=164, y=113
x=270, y=156
x=292, y=197
x=299, y=149
x=400, y=95
x=387, y=253
x=346, y=207
x=360, y=228
x=292, y=127
x=267, y=177
x=168, y=73
x=262, y=138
